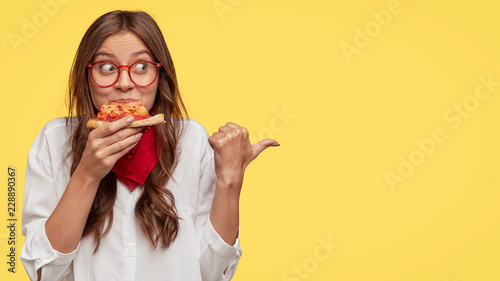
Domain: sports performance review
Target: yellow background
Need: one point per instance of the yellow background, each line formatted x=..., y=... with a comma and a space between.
x=352, y=118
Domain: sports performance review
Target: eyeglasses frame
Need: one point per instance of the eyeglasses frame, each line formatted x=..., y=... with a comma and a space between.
x=120, y=67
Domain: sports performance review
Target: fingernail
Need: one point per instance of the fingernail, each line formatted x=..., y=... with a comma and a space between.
x=130, y=119
x=139, y=135
x=275, y=144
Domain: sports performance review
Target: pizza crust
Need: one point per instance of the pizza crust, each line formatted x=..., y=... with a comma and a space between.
x=155, y=120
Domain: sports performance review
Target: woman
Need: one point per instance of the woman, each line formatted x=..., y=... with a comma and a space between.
x=84, y=219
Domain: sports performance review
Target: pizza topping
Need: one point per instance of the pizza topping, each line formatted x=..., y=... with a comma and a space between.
x=116, y=111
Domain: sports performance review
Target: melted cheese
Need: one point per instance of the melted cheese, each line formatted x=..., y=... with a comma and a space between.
x=116, y=111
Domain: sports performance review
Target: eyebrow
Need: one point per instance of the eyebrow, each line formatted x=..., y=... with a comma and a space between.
x=138, y=53
x=104, y=54
x=135, y=54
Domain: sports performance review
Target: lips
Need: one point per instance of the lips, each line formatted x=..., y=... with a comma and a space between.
x=124, y=100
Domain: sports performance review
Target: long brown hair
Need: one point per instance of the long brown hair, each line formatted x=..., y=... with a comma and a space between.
x=155, y=208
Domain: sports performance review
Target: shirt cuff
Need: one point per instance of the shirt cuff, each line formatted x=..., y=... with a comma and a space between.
x=48, y=254
x=218, y=245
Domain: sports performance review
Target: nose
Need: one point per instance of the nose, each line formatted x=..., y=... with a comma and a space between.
x=124, y=83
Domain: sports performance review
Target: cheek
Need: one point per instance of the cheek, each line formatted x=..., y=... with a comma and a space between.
x=149, y=97
x=99, y=95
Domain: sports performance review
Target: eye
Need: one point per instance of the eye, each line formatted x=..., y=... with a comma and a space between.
x=140, y=67
x=106, y=67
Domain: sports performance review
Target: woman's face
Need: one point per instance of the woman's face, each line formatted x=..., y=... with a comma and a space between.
x=123, y=49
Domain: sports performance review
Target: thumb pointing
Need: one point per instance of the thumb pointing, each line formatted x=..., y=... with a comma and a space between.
x=263, y=144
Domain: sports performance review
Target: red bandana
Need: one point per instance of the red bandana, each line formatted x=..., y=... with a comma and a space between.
x=134, y=167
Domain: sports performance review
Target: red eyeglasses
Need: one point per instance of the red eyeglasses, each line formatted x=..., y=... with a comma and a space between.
x=106, y=74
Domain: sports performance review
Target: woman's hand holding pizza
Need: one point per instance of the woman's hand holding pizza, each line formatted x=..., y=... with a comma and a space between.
x=105, y=145
x=233, y=152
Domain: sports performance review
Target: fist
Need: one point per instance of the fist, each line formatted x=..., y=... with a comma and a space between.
x=233, y=151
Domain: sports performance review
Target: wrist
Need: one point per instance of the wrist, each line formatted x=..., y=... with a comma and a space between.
x=230, y=179
x=232, y=182
x=229, y=191
x=84, y=178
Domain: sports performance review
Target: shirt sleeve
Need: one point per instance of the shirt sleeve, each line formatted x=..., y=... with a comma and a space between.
x=39, y=201
x=218, y=260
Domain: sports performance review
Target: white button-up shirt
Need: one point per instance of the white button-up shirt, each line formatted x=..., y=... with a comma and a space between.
x=125, y=253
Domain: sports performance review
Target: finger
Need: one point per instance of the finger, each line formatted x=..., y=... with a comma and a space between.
x=234, y=128
x=124, y=151
x=120, y=148
x=112, y=127
x=215, y=137
x=232, y=125
x=225, y=129
x=119, y=136
x=263, y=144
x=115, y=157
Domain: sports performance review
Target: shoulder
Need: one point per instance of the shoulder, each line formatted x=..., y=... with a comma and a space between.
x=192, y=127
x=191, y=130
x=194, y=139
x=58, y=124
x=54, y=134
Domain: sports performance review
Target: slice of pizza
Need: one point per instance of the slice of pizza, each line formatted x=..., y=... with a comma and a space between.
x=115, y=111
